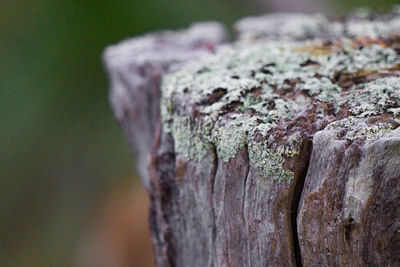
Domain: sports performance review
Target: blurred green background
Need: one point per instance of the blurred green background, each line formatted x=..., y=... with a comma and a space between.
x=61, y=152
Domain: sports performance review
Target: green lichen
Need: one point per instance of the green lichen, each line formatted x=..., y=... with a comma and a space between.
x=286, y=26
x=374, y=29
x=373, y=98
x=282, y=26
x=351, y=60
x=267, y=66
x=374, y=131
x=188, y=141
x=269, y=163
x=231, y=137
x=323, y=89
x=357, y=128
x=396, y=114
x=244, y=90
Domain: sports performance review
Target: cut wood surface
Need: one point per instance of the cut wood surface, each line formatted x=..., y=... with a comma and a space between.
x=279, y=149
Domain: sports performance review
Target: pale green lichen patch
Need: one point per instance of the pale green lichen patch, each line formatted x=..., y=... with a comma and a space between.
x=246, y=93
x=351, y=60
x=363, y=22
x=323, y=89
x=267, y=66
x=268, y=162
x=238, y=71
x=232, y=136
x=375, y=29
x=373, y=98
x=292, y=26
x=282, y=26
x=357, y=128
x=396, y=114
x=188, y=140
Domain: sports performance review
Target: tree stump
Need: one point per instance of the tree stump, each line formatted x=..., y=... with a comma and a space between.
x=279, y=149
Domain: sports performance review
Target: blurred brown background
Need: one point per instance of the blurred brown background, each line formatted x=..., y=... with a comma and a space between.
x=69, y=195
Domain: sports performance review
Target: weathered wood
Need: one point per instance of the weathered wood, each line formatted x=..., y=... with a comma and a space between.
x=349, y=214
x=135, y=67
x=280, y=149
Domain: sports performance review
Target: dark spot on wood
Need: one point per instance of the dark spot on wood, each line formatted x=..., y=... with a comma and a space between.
x=348, y=79
x=215, y=96
x=394, y=42
x=180, y=169
x=349, y=226
x=290, y=85
x=264, y=69
x=203, y=70
x=256, y=92
x=301, y=167
x=231, y=106
x=309, y=62
x=384, y=118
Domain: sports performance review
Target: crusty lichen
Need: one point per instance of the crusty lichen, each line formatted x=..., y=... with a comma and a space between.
x=363, y=25
x=224, y=101
x=292, y=26
x=373, y=98
x=232, y=136
x=282, y=26
x=323, y=89
x=357, y=128
x=187, y=141
x=269, y=162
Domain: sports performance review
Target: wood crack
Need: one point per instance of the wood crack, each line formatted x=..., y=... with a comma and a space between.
x=244, y=203
x=212, y=186
x=298, y=189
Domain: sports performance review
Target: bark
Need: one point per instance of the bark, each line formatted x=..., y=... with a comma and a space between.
x=280, y=149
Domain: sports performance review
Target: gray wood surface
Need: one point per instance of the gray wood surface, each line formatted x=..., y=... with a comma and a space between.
x=279, y=149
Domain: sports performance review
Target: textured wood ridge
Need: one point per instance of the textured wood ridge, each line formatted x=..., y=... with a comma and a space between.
x=279, y=149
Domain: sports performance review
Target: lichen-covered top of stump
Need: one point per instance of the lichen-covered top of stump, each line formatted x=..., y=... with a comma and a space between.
x=271, y=95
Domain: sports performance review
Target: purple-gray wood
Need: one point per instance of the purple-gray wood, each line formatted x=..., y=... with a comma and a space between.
x=280, y=149
x=134, y=69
